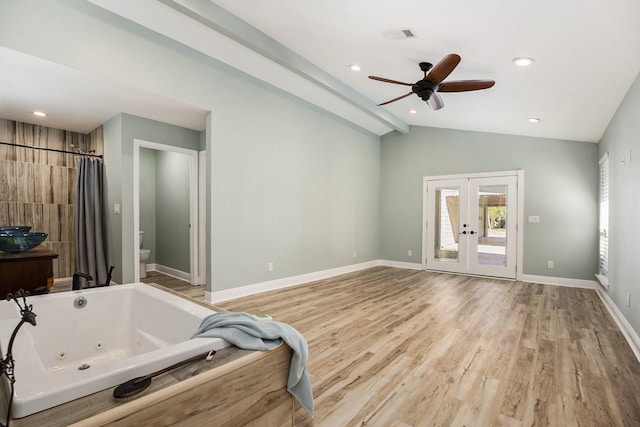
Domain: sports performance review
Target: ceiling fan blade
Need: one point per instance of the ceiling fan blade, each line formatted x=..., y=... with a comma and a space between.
x=395, y=99
x=465, y=85
x=435, y=101
x=382, y=79
x=443, y=68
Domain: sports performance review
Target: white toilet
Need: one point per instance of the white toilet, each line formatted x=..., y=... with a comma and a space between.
x=145, y=254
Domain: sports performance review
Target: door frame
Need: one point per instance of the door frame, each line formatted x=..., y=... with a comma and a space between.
x=518, y=173
x=202, y=218
x=194, y=261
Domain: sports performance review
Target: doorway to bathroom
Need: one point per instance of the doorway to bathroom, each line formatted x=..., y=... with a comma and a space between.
x=166, y=211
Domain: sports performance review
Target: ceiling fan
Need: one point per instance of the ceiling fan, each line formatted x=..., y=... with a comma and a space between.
x=429, y=87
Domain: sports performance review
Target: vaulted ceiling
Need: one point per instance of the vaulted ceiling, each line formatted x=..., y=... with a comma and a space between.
x=587, y=54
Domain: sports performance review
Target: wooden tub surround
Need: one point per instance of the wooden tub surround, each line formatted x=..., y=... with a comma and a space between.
x=236, y=388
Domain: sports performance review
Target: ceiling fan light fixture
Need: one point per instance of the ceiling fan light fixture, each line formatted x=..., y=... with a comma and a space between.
x=412, y=111
x=523, y=61
x=354, y=67
x=428, y=87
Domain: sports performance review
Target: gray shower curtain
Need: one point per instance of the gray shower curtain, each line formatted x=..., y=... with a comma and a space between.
x=89, y=220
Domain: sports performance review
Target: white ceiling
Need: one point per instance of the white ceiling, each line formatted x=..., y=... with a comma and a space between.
x=78, y=101
x=587, y=54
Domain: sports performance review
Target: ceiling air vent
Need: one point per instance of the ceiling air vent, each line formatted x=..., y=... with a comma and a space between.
x=403, y=34
x=408, y=33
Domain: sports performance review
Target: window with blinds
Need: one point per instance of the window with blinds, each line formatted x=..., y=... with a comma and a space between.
x=603, y=267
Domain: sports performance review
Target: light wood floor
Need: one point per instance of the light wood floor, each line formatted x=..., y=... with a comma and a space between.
x=177, y=285
x=393, y=347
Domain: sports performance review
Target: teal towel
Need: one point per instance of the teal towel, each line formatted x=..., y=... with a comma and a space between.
x=244, y=331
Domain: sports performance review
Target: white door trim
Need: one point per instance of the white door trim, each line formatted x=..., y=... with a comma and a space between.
x=518, y=173
x=193, y=204
x=202, y=217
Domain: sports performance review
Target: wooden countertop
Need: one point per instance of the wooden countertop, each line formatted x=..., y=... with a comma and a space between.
x=39, y=251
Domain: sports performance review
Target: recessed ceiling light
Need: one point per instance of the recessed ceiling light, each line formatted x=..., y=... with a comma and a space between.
x=523, y=61
x=39, y=114
x=412, y=111
x=533, y=120
x=354, y=67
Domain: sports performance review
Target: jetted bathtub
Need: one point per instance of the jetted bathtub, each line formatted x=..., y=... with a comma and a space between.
x=119, y=333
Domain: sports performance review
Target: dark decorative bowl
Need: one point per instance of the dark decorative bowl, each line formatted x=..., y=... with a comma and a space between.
x=15, y=228
x=14, y=242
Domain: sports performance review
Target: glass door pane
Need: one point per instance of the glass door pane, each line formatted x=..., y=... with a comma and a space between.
x=492, y=241
x=447, y=220
x=492, y=222
x=447, y=213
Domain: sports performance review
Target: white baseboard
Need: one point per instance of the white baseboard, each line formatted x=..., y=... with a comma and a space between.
x=400, y=264
x=169, y=272
x=621, y=321
x=285, y=282
x=560, y=281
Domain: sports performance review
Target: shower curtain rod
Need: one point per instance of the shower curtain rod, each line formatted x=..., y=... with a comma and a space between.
x=51, y=149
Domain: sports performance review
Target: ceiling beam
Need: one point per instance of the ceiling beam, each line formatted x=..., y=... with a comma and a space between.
x=220, y=20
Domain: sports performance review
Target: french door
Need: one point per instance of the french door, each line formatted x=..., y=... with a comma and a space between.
x=471, y=225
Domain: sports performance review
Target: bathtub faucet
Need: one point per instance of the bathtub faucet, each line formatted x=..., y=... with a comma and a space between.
x=7, y=364
x=75, y=285
x=28, y=316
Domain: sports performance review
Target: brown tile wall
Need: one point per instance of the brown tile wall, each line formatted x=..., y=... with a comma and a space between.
x=37, y=187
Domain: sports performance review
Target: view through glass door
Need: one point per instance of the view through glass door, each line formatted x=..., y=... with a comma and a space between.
x=471, y=225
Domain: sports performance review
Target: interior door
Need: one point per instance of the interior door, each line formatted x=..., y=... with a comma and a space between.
x=472, y=226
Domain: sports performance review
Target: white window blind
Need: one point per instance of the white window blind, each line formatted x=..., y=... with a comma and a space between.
x=603, y=267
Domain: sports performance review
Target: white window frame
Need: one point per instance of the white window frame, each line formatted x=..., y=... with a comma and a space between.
x=603, y=220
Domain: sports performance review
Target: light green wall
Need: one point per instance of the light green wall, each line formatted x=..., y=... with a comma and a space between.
x=172, y=210
x=119, y=136
x=148, y=209
x=292, y=184
x=621, y=137
x=112, y=131
x=560, y=186
x=293, y=187
x=164, y=207
x=289, y=183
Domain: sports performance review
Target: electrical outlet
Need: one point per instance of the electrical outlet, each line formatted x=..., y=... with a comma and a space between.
x=410, y=252
x=355, y=254
x=549, y=264
x=534, y=219
x=270, y=266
